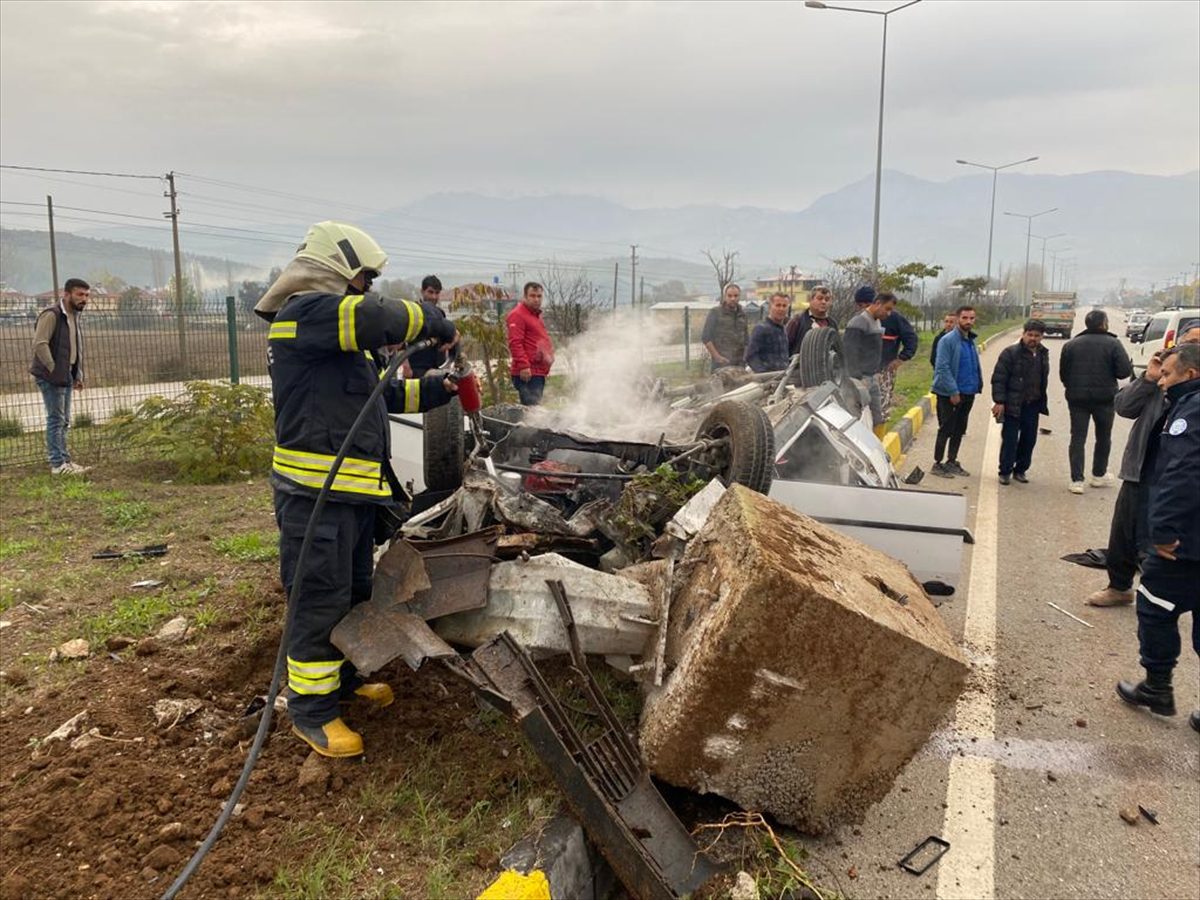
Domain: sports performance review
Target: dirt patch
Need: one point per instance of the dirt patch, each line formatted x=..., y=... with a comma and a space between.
x=444, y=789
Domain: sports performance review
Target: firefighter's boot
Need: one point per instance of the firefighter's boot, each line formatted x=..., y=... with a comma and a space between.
x=1155, y=693
x=376, y=693
x=331, y=739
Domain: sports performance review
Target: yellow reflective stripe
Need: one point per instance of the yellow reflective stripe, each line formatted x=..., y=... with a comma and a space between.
x=416, y=320
x=315, y=668
x=412, y=395
x=323, y=461
x=347, y=339
x=372, y=487
x=281, y=330
x=324, y=680
x=299, y=687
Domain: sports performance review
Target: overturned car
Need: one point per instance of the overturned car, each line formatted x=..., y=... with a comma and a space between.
x=802, y=437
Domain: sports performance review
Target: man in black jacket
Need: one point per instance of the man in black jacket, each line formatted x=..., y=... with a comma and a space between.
x=1142, y=401
x=1019, y=383
x=949, y=323
x=1089, y=368
x=767, y=350
x=1171, y=573
x=900, y=342
x=816, y=316
x=324, y=325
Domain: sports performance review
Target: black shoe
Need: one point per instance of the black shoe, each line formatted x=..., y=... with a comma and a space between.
x=1158, y=699
x=1020, y=476
x=1004, y=479
x=955, y=469
x=941, y=470
x=1194, y=720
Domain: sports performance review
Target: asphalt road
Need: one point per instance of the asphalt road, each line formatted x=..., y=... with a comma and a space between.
x=1028, y=779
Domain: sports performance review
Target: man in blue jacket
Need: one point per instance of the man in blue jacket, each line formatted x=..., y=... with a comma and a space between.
x=1171, y=573
x=957, y=378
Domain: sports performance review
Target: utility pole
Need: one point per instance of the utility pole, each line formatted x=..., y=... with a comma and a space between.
x=616, y=268
x=633, y=274
x=53, y=247
x=180, y=322
x=642, y=291
x=792, y=283
x=514, y=272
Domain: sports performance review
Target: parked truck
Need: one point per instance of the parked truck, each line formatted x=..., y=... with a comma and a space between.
x=1056, y=309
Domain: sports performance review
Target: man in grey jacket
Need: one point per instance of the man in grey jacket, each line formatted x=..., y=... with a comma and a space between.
x=1142, y=401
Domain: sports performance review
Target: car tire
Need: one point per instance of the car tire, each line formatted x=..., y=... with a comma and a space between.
x=821, y=357
x=444, y=451
x=750, y=460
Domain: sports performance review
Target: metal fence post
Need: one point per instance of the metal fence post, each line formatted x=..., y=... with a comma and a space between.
x=231, y=324
x=687, y=339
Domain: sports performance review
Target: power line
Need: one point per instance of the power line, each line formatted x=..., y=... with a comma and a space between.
x=81, y=172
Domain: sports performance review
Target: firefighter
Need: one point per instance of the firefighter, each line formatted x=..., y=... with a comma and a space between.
x=325, y=325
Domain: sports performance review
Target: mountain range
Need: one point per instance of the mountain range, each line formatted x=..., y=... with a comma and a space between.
x=1143, y=228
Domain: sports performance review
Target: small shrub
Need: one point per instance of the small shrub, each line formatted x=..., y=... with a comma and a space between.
x=126, y=513
x=10, y=427
x=253, y=546
x=83, y=420
x=132, y=616
x=215, y=432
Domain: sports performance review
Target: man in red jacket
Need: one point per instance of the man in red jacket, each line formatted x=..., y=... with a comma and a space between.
x=529, y=346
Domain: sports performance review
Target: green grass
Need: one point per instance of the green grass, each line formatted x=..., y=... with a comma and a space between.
x=916, y=376
x=330, y=871
x=251, y=546
x=11, y=548
x=11, y=428
x=83, y=420
x=131, y=616
x=126, y=513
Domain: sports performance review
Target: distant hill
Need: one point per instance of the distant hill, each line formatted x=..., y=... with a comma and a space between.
x=1144, y=228
x=25, y=262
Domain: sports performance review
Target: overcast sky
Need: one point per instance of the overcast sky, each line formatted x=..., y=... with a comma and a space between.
x=768, y=104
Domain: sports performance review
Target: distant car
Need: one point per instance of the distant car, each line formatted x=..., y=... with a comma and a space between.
x=1161, y=333
x=1136, y=324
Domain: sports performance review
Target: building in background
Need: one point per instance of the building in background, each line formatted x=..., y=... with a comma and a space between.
x=796, y=284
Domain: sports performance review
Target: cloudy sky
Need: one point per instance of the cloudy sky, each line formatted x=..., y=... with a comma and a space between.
x=745, y=103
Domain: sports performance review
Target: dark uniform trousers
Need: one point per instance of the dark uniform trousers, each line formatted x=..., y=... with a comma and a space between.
x=1121, y=557
x=337, y=575
x=1167, y=590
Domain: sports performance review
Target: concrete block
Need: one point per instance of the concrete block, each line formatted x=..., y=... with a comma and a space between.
x=808, y=668
x=916, y=415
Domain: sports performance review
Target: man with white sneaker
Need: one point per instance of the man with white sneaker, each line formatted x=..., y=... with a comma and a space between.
x=57, y=369
x=1142, y=401
x=1089, y=367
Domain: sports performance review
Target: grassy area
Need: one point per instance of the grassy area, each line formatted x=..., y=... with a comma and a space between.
x=252, y=546
x=916, y=375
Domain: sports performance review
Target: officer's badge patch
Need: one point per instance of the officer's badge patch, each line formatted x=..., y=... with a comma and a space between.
x=1178, y=427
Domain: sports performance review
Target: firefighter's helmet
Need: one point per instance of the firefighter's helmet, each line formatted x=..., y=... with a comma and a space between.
x=343, y=248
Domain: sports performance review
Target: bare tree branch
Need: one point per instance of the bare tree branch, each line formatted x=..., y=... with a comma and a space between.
x=724, y=267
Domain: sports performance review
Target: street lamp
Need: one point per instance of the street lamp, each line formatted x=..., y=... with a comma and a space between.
x=819, y=4
x=1042, y=274
x=1028, y=234
x=992, y=217
x=1054, y=262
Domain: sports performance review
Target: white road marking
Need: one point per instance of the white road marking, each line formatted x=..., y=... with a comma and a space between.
x=968, y=870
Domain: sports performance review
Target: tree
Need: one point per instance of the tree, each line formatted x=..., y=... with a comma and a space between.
x=114, y=284
x=191, y=297
x=971, y=287
x=398, y=289
x=570, y=299
x=724, y=267
x=250, y=292
x=848, y=273
x=668, y=292
x=481, y=325
x=131, y=306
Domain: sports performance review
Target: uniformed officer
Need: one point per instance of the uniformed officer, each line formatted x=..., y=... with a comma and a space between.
x=1170, y=583
x=324, y=328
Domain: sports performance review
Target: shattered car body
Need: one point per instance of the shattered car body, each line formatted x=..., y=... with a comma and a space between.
x=811, y=448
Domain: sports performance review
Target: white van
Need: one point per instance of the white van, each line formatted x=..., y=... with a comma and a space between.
x=1162, y=331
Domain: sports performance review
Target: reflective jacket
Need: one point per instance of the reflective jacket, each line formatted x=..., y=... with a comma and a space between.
x=322, y=372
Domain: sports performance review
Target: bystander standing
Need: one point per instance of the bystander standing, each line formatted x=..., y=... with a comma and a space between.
x=768, y=347
x=529, y=346
x=726, y=329
x=862, y=347
x=1089, y=367
x=816, y=316
x=1019, y=383
x=57, y=369
x=957, y=378
x=900, y=343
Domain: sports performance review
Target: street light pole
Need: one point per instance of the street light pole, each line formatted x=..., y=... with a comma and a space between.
x=992, y=215
x=1042, y=273
x=1054, y=262
x=819, y=4
x=1029, y=234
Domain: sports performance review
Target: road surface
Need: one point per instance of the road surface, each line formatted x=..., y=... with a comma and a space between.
x=1027, y=782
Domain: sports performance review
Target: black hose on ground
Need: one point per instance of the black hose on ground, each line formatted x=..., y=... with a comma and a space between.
x=264, y=726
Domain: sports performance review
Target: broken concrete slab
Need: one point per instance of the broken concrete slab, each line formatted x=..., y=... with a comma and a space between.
x=615, y=615
x=693, y=514
x=808, y=667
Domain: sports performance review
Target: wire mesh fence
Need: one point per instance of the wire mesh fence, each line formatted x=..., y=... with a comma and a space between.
x=127, y=356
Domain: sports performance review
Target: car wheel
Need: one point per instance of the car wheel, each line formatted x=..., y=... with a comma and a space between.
x=443, y=450
x=748, y=457
x=820, y=357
